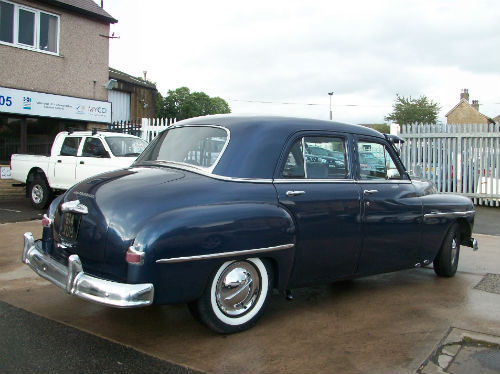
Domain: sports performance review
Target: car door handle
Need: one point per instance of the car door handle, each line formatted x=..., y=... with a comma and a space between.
x=368, y=192
x=59, y=161
x=295, y=193
x=82, y=162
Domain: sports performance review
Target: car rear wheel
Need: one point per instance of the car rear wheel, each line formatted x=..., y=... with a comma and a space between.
x=446, y=261
x=235, y=297
x=39, y=192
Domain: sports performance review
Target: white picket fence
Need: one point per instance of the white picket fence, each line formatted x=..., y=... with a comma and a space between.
x=151, y=127
x=462, y=159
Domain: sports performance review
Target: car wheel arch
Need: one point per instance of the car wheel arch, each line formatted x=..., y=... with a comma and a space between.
x=33, y=173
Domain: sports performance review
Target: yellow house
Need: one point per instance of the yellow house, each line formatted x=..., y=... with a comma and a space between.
x=465, y=113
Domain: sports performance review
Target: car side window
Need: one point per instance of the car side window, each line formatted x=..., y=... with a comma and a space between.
x=317, y=157
x=93, y=148
x=294, y=165
x=375, y=162
x=70, y=146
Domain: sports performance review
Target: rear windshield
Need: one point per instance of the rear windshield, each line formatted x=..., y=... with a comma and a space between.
x=194, y=145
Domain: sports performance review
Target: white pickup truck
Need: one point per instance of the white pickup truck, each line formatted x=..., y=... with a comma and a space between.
x=74, y=157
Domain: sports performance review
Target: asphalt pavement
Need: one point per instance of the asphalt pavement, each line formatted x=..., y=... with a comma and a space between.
x=39, y=345
x=487, y=220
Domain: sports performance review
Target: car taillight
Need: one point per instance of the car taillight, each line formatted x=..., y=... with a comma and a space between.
x=133, y=256
x=46, y=221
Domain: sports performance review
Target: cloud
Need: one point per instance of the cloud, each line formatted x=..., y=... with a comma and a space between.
x=296, y=51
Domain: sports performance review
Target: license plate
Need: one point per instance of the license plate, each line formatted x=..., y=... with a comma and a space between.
x=70, y=225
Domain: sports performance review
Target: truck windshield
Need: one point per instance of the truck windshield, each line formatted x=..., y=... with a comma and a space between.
x=194, y=145
x=123, y=146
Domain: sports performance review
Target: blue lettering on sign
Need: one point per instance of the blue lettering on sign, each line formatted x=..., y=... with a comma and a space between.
x=5, y=100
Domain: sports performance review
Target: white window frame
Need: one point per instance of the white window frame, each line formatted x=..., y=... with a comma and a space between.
x=37, y=12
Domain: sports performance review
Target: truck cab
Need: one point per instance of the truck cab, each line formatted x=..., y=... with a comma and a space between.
x=74, y=156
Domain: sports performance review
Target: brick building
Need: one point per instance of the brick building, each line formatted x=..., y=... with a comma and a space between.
x=466, y=113
x=55, y=59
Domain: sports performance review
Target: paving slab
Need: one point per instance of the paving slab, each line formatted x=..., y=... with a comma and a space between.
x=388, y=323
x=476, y=360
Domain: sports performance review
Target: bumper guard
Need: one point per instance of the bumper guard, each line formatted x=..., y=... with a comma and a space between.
x=76, y=282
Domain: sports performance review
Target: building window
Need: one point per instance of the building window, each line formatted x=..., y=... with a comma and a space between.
x=27, y=27
x=6, y=22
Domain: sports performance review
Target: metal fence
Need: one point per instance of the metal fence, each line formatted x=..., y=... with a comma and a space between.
x=151, y=127
x=462, y=159
x=147, y=128
x=126, y=127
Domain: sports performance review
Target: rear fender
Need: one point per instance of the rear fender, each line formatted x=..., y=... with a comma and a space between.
x=197, y=240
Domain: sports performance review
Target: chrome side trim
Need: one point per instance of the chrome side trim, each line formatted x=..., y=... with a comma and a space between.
x=233, y=179
x=384, y=181
x=432, y=214
x=224, y=254
x=206, y=173
x=75, y=281
x=314, y=181
x=75, y=207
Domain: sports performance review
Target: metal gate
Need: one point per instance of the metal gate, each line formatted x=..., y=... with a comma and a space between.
x=462, y=159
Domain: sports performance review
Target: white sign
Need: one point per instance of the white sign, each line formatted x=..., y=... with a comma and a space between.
x=5, y=173
x=47, y=105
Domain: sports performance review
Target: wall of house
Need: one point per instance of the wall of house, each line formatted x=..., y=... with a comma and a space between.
x=465, y=114
x=80, y=70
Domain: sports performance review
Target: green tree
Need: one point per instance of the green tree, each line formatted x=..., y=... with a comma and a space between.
x=406, y=111
x=382, y=127
x=181, y=104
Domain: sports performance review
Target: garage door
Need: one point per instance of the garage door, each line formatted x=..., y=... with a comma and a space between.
x=120, y=105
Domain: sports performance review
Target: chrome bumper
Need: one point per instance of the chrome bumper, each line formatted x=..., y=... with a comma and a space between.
x=472, y=243
x=76, y=282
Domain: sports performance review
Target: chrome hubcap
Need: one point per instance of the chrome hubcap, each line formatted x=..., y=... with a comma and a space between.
x=454, y=250
x=238, y=288
x=37, y=193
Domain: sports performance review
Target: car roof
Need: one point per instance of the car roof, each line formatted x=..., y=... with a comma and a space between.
x=286, y=125
x=98, y=134
x=256, y=142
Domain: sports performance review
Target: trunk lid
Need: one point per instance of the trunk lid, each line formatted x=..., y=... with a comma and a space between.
x=114, y=203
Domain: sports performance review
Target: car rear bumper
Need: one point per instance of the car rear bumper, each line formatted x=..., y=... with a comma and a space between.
x=76, y=282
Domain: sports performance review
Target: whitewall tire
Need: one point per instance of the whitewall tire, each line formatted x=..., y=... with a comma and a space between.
x=236, y=296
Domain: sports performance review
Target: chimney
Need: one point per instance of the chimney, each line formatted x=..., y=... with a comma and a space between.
x=475, y=104
x=464, y=94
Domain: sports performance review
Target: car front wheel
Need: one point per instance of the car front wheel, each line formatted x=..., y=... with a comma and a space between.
x=446, y=261
x=235, y=297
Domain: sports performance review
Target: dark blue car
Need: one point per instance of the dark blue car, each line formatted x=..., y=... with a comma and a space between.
x=218, y=211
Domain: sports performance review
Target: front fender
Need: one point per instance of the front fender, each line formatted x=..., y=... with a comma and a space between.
x=184, y=246
x=440, y=212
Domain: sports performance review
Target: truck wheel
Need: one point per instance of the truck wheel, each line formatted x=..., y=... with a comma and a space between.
x=40, y=193
x=446, y=261
x=235, y=297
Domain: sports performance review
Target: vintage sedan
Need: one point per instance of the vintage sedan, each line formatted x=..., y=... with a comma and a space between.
x=218, y=211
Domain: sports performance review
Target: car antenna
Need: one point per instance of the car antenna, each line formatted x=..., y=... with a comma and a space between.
x=70, y=130
x=94, y=131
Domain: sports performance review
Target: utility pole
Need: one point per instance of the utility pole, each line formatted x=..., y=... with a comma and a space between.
x=330, y=94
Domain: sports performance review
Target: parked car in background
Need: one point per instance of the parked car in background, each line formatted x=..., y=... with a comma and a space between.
x=74, y=156
x=219, y=233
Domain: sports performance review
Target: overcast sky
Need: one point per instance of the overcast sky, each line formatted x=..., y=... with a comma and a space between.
x=283, y=57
